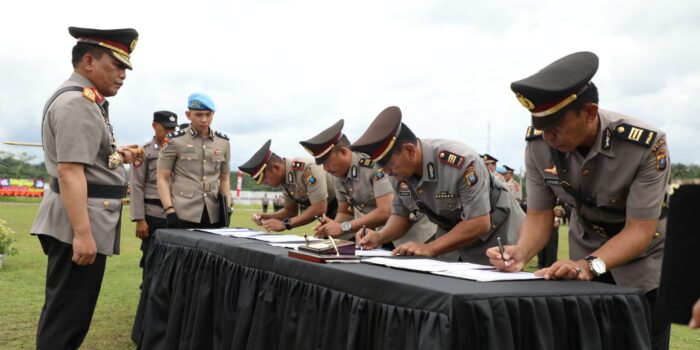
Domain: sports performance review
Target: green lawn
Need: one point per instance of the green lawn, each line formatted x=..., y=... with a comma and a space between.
x=22, y=287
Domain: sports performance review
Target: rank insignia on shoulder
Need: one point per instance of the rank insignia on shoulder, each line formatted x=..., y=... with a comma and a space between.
x=297, y=165
x=353, y=171
x=634, y=134
x=451, y=159
x=221, y=135
x=89, y=94
x=175, y=134
x=378, y=175
x=470, y=176
x=366, y=162
x=532, y=134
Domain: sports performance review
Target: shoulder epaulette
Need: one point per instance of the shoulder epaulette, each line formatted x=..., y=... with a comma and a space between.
x=634, y=134
x=533, y=134
x=175, y=134
x=451, y=159
x=366, y=162
x=222, y=135
x=89, y=94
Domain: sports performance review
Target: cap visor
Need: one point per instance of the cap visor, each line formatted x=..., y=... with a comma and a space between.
x=121, y=58
x=542, y=123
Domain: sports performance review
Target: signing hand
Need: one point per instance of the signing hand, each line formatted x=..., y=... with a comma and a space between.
x=328, y=228
x=371, y=240
x=413, y=248
x=513, y=259
x=567, y=270
x=273, y=225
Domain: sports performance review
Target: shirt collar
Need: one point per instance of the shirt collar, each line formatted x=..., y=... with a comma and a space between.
x=603, y=140
x=194, y=133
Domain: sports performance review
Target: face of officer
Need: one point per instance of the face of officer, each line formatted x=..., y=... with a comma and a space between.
x=200, y=119
x=160, y=132
x=274, y=175
x=338, y=162
x=492, y=167
x=508, y=175
x=578, y=128
x=403, y=163
x=105, y=72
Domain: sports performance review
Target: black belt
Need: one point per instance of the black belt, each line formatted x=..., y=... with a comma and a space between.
x=153, y=201
x=603, y=229
x=95, y=190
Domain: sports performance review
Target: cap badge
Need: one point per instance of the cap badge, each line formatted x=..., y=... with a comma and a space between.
x=525, y=101
x=133, y=44
x=172, y=119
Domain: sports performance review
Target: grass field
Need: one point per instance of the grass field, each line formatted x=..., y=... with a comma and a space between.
x=22, y=287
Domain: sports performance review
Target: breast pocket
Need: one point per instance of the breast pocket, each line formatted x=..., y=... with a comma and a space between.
x=615, y=201
x=189, y=156
x=218, y=161
x=446, y=206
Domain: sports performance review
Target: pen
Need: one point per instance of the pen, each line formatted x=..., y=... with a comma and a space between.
x=362, y=235
x=319, y=218
x=501, y=250
x=307, y=239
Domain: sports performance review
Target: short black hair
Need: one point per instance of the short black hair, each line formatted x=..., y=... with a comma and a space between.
x=81, y=49
x=589, y=95
x=404, y=136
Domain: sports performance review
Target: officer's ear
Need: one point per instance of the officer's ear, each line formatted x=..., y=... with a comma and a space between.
x=590, y=111
x=410, y=148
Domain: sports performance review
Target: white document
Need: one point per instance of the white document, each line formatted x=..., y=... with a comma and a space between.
x=292, y=246
x=244, y=232
x=372, y=252
x=424, y=265
x=488, y=275
x=283, y=238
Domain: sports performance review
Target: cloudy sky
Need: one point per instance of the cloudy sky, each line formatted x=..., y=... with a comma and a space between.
x=286, y=70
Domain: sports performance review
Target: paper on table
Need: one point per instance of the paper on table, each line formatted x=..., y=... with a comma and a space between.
x=283, y=238
x=292, y=246
x=425, y=265
x=488, y=275
x=373, y=252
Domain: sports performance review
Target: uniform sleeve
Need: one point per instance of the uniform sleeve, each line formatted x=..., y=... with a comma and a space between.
x=167, y=156
x=138, y=176
x=648, y=188
x=540, y=197
x=316, y=186
x=398, y=208
x=474, y=190
x=288, y=199
x=78, y=119
x=381, y=184
x=226, y=167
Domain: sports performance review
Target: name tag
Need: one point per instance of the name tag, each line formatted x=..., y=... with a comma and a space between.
x=552, y=181
x=404, y=193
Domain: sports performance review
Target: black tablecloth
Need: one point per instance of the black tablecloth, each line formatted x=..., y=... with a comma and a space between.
x=203, y=291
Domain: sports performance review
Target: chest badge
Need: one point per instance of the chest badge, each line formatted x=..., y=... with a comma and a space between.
x=552, y=170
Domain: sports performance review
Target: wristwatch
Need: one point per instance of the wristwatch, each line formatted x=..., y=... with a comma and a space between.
x=596, y=264
x=287, y=223
x=346, y=227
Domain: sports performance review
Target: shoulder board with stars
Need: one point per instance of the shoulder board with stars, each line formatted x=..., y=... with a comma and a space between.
x=221, y=135
x=297, y=165
x=89, y=94
x=451, y=159
x=532, y=134
x=175, y=134
x=634, y=134
x=366, y=162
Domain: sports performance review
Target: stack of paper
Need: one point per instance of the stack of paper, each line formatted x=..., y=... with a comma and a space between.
x=283, y=238
x=476, y=272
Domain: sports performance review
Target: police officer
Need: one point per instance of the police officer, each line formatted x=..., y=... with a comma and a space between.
x=448, y=182
x=78, y=223
x=193, y=170
x=492, y=164
x=305, y=184
x=146, y=208
x=611, y=168
x=364, y=193
x=513, y=186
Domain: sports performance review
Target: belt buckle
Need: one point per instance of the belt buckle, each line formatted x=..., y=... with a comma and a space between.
x=599, y=230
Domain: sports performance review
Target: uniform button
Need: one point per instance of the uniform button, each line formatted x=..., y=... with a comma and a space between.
x=420, y=191
x=449, y=206
x=585, y=172
x=205, y=195
x=204, y=177
x=106, y=204
x=181, y=193
x=189, y=158
x=205, y=161
x=613, y=201
x=204, y=146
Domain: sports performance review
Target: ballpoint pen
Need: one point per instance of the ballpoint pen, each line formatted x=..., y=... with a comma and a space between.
x=362, y=235
x=502, y=251
x=337, y=253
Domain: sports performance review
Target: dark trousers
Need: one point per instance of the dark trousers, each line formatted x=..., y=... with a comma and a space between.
x=548, y=255
x=660, y=326
x=154, y=223
x=203, y=223
x=264, y=208
x=71, y=295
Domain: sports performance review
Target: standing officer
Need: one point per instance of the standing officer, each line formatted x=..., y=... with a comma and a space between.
x=513, y=186
x=146, y=208
x=304, y=184
x=78, y=223
x=612, y=169
x=193, y=169
x=492, y=164
x=448, y=182
x=364, y=194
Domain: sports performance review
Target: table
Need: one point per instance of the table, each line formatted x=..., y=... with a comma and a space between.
x=204, y=291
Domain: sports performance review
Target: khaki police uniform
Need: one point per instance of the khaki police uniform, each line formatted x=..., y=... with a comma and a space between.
x=144, y=190
x=456, y=186
x=196, y=163
x=307, y=183
x=626, y=171
x=364, y=183
x=75, y=130
x=514, y=188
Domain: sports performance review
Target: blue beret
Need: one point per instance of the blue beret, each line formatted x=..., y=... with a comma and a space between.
x=501, y=169
x=200, y=101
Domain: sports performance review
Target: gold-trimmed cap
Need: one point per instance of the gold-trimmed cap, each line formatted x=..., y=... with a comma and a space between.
x=381, y=135
x=488, y=159
x=119, y=42
x=320, y=146
x=255, y=166
x=555, y=86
